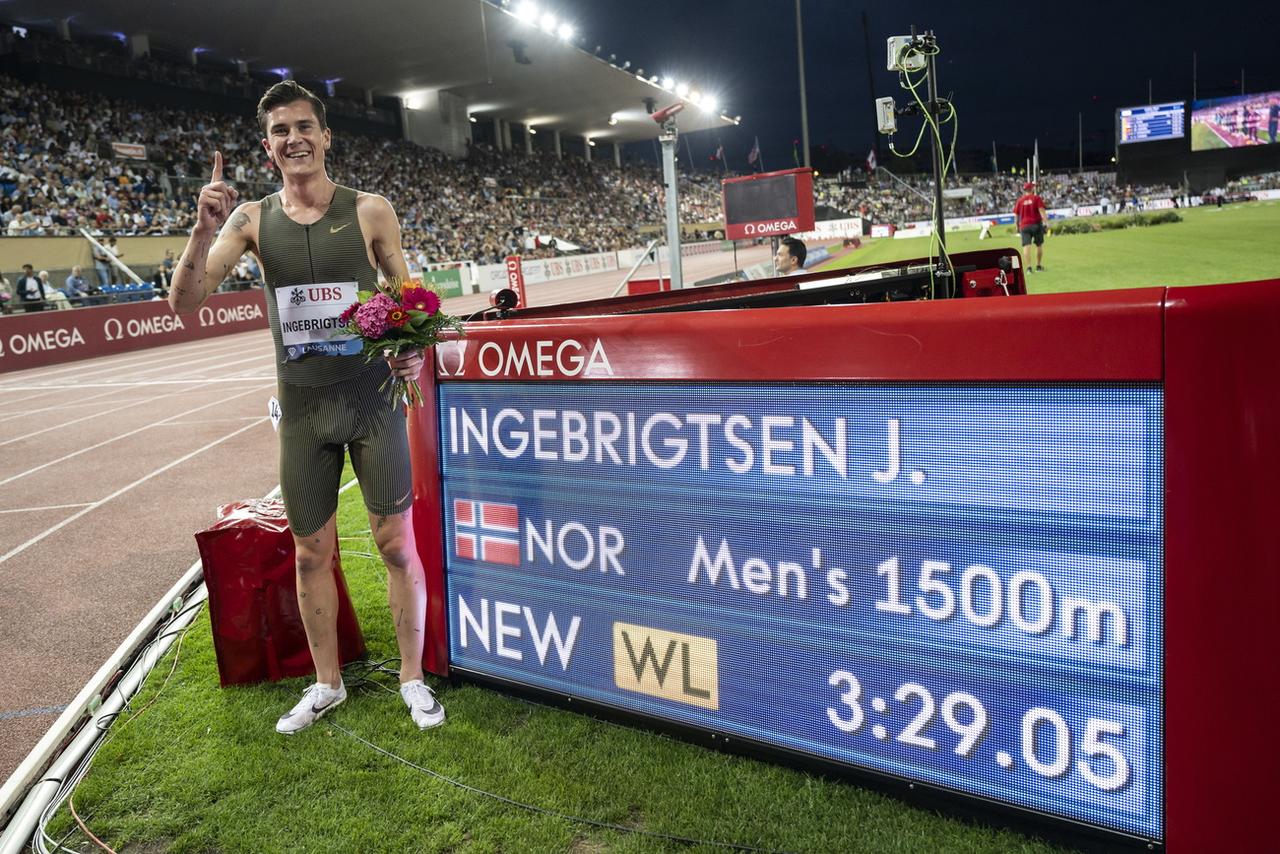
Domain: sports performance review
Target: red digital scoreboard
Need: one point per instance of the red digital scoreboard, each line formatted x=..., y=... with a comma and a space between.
x=770, y=204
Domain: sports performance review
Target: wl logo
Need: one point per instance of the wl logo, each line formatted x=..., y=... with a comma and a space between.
x=666, y=664
x=487, y=531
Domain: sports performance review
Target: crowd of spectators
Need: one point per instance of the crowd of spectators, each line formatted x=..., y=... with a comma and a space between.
x=58, y=173
x=899, y=199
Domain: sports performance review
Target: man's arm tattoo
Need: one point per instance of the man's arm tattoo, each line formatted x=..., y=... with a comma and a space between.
x=239, y=220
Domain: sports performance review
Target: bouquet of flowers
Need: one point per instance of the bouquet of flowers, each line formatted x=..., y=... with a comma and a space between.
x=397, y=318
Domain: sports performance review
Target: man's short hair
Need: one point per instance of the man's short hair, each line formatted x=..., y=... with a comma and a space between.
x=797, y=249
x=286, y=92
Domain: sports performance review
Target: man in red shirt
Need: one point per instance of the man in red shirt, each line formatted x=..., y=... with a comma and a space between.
x=1032, y=220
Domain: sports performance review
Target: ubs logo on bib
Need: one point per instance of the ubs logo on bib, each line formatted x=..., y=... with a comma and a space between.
x=297, y=297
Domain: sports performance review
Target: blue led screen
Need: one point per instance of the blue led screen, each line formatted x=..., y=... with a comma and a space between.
x=955, y=584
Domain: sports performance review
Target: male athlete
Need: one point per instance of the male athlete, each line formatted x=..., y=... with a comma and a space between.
x=319, y=244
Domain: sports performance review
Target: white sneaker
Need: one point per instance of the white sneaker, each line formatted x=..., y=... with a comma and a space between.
x=315, y=702
x=423, y=705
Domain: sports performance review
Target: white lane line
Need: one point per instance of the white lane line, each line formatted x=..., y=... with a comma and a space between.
x=185, y=367
x=90, y=367
x=207, y=421
x=148, y=383
x=116, y=361
x=153, y=399
x=17, y=550
x=79, y=403
x=49, y=507
x=74, y=454
x=63, y=403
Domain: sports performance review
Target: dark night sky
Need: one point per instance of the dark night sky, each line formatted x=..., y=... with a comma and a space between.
x=1018, y=70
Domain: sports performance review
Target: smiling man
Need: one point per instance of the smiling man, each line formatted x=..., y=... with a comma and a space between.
x=319, y=245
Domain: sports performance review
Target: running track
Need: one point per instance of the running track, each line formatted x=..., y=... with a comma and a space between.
x=107, y=468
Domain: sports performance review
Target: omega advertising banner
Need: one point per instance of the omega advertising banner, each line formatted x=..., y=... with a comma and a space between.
x=42, y=338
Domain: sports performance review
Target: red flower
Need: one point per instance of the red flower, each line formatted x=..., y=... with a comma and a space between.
x=397, y=317
x=432, y=302
x=420, y=299
x=348, y=313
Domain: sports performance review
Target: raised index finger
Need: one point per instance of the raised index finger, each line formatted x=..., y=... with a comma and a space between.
x=217, y=167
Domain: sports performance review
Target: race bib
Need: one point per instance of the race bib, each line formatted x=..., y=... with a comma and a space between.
x=309, y=319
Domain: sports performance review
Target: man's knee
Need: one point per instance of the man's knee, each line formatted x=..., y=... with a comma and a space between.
x=394, y=539
x=311, y=556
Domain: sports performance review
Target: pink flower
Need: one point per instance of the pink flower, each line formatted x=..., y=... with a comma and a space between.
x=420, y=299
x=348, y=313
x=433, y=303
x=371, y=318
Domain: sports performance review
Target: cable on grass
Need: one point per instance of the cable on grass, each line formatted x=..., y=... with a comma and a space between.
x=574, y=819
x=68, y=785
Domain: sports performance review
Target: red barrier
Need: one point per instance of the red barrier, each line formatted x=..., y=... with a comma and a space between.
x=648, y=286
x=37, y=339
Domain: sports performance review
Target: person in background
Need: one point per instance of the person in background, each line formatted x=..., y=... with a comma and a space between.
x=1032, y=218
x=75, y=288
x=52, y=295
x=789, y=260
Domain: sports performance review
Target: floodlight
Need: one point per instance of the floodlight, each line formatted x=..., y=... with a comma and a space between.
x=565, y=32
x=547, y=22
x=527, y=12
x=682, y=89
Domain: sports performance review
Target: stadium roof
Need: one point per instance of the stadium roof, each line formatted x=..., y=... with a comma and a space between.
x=501, y=65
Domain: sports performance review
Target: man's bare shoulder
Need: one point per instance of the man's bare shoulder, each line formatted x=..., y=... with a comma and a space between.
x=372, y=203
x=243, y=222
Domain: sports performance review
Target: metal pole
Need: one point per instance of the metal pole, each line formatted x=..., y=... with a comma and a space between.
x=644, y=256
x=940, y=219
x=804, y=107
x=1080, y=143
x=668, y=140
x=871, y=84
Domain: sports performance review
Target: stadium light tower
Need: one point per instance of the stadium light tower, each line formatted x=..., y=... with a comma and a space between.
x=666, y=119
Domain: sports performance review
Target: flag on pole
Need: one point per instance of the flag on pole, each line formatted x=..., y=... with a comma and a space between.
x=719, y=155
x=795, y=151
x=753, y=156
x=1035, y=162
x=871, y=161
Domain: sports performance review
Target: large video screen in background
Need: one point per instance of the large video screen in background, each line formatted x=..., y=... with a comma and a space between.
x=1235, y=122
x=1151, y=122
x=857, y=572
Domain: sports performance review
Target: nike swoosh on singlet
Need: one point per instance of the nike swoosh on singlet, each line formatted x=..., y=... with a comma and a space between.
x=333, y=230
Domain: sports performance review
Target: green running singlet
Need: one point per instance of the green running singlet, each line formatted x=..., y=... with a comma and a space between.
x=330, y=403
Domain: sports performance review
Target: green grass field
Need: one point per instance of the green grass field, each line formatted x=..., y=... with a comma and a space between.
x=203, y=770
x=1211, y=246
x=1203, y=139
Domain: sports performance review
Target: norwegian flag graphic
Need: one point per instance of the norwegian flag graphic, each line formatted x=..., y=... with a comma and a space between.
x=487, y=531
